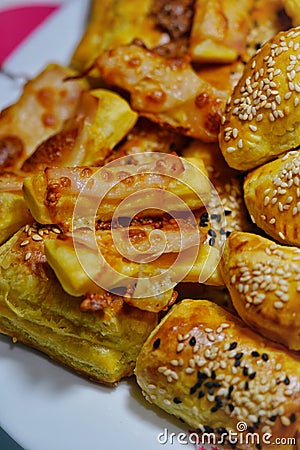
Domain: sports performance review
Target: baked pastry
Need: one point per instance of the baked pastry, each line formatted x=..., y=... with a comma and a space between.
x=219, y=30
x=268, y=17
x=205, y=366
x=262, y=117
x=14, y=212
x=272, y=194
x=114, y=22
x=102, y=118
x=173, y=184
x=34, y=309
x=227, y=193
x=47, y=101
x=263, y=279
x=165, y=90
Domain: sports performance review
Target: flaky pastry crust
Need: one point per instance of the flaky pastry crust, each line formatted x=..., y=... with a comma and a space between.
x=263, y=279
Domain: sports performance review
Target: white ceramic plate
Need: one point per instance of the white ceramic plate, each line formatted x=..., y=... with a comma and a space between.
x=42, y=405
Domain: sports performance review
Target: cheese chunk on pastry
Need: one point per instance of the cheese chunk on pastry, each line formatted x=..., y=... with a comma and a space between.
x=263, y=279
x=34, y=309
x=272, y=194
x=205, y=366
x=262, y=117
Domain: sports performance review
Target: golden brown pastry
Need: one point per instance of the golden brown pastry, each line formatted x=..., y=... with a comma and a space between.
x=114, y=22
x=47, y=101
x=219, y=30
x=272, y=196
x=102, y=119
x=205, y=366
x=165, y=90
x=262, y=118
x=263, y=279
x=34, y=309
x=52, y=195
x=228, y=190
x=14, y=212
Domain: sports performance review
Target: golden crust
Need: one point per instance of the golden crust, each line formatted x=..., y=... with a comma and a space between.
x=263, y=279
x=201, y=365
x=272, y=194
x=47, y=101
x=262, y=118
x=219, y=30
x=34, y=309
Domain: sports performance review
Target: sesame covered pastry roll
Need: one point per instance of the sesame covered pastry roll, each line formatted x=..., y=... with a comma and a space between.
x=272, y=196
x=263, y=279
x=206, y=367
x=262, y=117
x=101, y=344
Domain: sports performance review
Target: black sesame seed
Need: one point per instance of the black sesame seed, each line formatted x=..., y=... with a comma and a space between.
x=245, y=371
x=214, y=408
x=203, y=224
x=251, y=429
x=177, y=400
x=252, y=375
x=204, y=216
x=273, y=418
x=237, y=363
x=201, y=375
x=192, y=341
x=233, y=345
x=156, y=343
x=238, y=355
x=231, y=407
x=208, y=429
x=258, y=446
x=211, y=391
x=195, y=387
x=222, y=231
x=218, y=401
x=201, y=394
x=230, y=389
x=286, y=380
x=214, y=216
x=246, y=387
x=264, y=357
x=257, y=45
x=211, y=242
x=212, y=233
x=228, y=233
x=227, y=212
x=213, y=375
x=293, y=417
x=255, y=354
